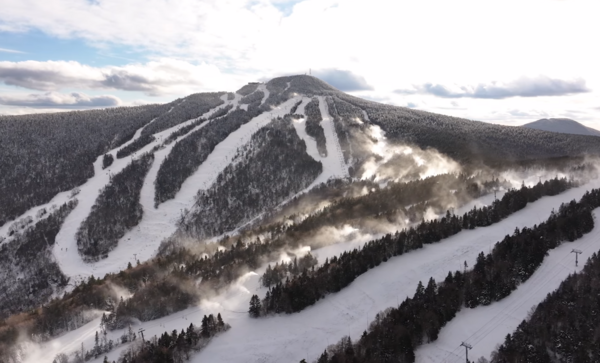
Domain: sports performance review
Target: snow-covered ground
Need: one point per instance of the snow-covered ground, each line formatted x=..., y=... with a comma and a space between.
x=333, y=164
x=486, y=326
x=306, y=334
x=65, y=248
x=157, y=223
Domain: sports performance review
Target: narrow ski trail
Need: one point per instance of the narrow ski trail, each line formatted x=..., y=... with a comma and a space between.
x=65, y=249
x=486, y=326
x=306, y=334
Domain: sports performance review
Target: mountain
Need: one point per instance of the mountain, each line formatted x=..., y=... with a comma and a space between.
x=286, y=194
x=562, y=125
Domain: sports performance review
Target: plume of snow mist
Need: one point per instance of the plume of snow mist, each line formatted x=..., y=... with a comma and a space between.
x=401, y=162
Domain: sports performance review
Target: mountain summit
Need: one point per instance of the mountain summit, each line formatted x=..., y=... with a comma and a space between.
x=562, y=125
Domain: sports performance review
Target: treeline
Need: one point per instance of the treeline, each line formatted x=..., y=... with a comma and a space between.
x=253, y=97
x=115, y=212
x=134, y=146
x=309, y=86
x=44, y=154
x=170, y=347
x=176, y=347
x=471, y=142
x=276, y=274
x=351, y=128
x=107, y=160
x=564, y=327
x=189, y=153
x=394, y=204
x=397, y=332
x=313, y=125
x=248, y=88
x=29, y=274
x=191, y=107
x=307, y=288
x=273, y=166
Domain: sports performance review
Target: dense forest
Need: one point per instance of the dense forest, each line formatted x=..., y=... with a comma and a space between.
x=29, y=274
x=188, y=108
x=248, y=88
x=115, y=212
x=44, y=154
x=397, y=332
x=350, y=127
x=565, y=327
x=471, y=142
x=313, y=125
x=190, y=152
x=305, y=288
x=273, y=166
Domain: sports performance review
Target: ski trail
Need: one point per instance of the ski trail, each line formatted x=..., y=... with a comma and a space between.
x=141, y=242
x=333, y=163
x=348, y=312
x=384, y=286
x=65, y=249
x=485, y=327
x=263, y=87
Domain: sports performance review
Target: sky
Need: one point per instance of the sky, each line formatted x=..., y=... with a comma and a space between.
x=508, y=62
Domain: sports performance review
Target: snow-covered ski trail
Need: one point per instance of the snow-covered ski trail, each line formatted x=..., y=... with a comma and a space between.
x=348, y=312
x=65, y=249
x=485, y=327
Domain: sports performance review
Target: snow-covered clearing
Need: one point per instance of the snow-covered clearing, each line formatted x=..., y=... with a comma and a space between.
x=65, y=248
x=305, y=334
x=486, y=326
x=142, y=241
x=333, y=164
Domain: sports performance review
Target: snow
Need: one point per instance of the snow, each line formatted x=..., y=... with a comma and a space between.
x=303, y=335
x=143, y=240
x=263, y=88
x=333, y=164
x=306, y=334
x=486, y=326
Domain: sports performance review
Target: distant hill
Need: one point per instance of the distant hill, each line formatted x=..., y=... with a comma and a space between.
x=562, y=125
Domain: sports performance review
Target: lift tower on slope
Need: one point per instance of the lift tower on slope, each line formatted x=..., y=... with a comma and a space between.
x=467, y=347
x=576, y=252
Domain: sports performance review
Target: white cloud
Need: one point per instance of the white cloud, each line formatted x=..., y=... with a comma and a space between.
x=522, y=87
x=4, y=50
x=165, y=76
x=390, y=44
x=59, y=100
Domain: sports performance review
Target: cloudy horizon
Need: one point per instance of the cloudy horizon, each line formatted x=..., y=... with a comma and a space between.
x=506, y=62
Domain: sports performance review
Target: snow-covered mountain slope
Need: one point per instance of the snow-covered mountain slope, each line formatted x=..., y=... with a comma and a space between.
x=307, y=334
x=225, y=148
x=562, y=125
x=486, y=326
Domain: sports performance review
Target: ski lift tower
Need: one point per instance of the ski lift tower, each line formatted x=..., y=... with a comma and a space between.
x=467, y=347
x=577, y=253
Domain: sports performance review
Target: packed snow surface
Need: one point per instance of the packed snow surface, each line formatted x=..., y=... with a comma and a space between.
x=486, y=326
x=306, y=334
x=141, y=242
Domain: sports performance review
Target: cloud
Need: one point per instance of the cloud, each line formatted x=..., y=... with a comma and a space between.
x=343, y=80
x=60, y=100
x=165, y=76
x=10, y=51
x=522, y=87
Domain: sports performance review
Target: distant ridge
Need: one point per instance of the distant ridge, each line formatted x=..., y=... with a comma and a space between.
x=562, y=125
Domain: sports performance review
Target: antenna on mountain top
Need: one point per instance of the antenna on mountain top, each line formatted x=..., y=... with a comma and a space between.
x=309, y=71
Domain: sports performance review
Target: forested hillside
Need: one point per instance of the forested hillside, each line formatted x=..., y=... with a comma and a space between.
x=297, y=198
x=272, y=167
x=43, y=154
x=116, y=211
